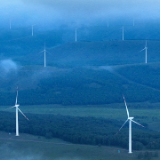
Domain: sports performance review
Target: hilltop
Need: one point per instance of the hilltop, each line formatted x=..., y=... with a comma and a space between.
x=95, y=53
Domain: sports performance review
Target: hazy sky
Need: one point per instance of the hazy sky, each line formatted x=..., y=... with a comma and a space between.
x=77, y=11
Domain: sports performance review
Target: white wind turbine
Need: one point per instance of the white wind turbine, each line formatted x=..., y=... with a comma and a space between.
x=130, y=119
x=33, y=29
x=17, y=109
x=44, y=51
x=146, y=49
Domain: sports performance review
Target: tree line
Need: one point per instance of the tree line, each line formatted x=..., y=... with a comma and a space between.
x=81, y=130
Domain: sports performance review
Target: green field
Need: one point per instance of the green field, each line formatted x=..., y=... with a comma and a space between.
x=112, y=111
x=32, y=147
x=36, y=147
x=150, y=115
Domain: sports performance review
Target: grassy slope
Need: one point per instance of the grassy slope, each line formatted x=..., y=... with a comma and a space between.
x=82, y=85
x=149, y=116
x=98, y=53
x=32, y=147
x=69, y=84
x=113, y=111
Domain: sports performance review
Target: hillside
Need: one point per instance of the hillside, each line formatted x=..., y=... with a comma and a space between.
x=78, y=73
x=95, y=53
x=96, y=45
x=81, y=85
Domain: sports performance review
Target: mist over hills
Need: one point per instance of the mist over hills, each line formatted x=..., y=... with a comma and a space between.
x=81, y=85
x=96, y=69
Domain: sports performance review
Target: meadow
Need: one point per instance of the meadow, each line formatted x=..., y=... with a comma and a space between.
x=145, y=111
x=28, y=147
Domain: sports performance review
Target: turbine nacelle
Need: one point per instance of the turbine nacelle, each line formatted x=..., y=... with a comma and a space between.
x=130, y=118
x=16, y=105
x=145, y=49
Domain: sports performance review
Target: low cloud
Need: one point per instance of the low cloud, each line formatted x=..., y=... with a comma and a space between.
x=7, y=66
x=82, y=11
x=77, y=11
x=9, y=152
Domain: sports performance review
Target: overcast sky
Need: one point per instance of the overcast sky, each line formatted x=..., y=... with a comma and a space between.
x=77, y=11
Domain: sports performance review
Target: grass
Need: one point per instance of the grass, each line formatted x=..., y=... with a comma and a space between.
x=113, y=111
x=149, y=115
x=99, y=111
x=55, y=149
x=36, y=147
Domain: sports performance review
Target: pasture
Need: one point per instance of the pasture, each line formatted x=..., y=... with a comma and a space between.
x=144, y=110
x=28, y=147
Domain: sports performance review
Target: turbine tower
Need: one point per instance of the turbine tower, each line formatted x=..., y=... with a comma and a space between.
x=33, y=29
x=44, y=51
x=17, y=109
x=146, y=52
x=130, y=119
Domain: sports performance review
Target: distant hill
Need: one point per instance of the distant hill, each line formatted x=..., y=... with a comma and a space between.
x=96, y=53
x=82, y=72
x=81, y=85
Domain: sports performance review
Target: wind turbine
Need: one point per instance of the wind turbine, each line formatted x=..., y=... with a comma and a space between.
x=146, y=49
x=130, y=119
x=44, y=51
x=32, y=29
x=17, y=109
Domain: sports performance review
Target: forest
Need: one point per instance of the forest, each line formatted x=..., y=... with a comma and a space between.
x=82, y=130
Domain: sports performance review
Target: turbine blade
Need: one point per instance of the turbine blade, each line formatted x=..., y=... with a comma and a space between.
x=137, y=123
x=23, y=114
x=142, y=49
x=16, y=97
x=126, y=106
x=122, y=126
x=9, y=108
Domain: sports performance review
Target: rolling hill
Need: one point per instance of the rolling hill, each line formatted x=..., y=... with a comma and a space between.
x=79, y=73
x=81, y=85
x=94, y=54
